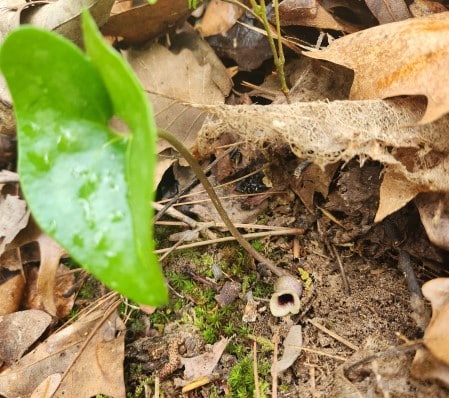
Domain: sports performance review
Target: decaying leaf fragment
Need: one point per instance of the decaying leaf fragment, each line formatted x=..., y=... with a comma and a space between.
x=409, y=57
x=292, y=348
x=204, y=364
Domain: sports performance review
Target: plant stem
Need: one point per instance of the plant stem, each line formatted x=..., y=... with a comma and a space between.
x=278, y=54
x=214, y=198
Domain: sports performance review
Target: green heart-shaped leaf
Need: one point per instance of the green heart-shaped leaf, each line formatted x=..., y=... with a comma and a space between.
x=87, y=186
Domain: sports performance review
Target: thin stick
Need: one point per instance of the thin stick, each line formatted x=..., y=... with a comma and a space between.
x=256, y=375
x=214, y=198
x=334, y=335
x=325, y=354
x=219, y=225
x=274, y=366
x=255, y=235
x=342, y=270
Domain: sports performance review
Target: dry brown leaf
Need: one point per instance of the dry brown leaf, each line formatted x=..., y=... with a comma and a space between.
x=310, y=13
x=434, y=211
x=121, y=6
x=19, y=331
x=219, y=17
x=388, y=10
x=422, y=8
x=173, y=79
x=425, y=366
x=145, y=22
x=51, y=254
x=11, y=293
x=64, y=282
x=98, y=369
x=436, y=338
x=434, y=363
x=395, y=192
x=47, y=388
x=47, y=290
x=410, y=57
x=204, y=364
x=13, y=218
x=62, y=16
x=314, y=179
x=100, y=366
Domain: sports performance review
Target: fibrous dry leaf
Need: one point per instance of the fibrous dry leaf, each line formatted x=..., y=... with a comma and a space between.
x=98, y=368
x=18, y=331
x=409, y=57
x=340, y=130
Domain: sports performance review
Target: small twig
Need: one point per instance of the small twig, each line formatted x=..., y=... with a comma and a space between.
x=274, y=366
x=405, y=266
x=342, y=270
x=157, y=382
x=325, y=354
x=255, y=235
x=313, y=381
x=334, y=335
x=237, y=196
x=221, y=225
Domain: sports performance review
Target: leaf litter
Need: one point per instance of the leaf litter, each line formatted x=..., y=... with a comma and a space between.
x=414, y=160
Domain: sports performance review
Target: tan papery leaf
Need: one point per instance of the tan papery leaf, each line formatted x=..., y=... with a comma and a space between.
x=409, y=57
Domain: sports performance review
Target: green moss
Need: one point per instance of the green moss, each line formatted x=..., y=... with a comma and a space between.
x=89, y=289
x=241, y=378
x=257, y=244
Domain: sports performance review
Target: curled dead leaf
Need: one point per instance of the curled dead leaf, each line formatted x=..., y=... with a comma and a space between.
x=409, y=57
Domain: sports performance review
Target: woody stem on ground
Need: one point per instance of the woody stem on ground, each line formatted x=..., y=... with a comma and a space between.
x=278, y=54
x=216, y=202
